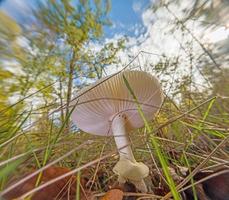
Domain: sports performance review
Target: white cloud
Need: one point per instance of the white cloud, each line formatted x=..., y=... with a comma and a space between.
x=159, y=35
x=162, y=36
x=23, y=42
x=148, y=17
x=217, y=35
x=137, y=6
x=13, y=67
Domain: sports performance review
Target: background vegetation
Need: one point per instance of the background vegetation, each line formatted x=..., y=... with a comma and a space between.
x=42, y=67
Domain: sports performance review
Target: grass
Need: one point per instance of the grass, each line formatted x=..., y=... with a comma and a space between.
x=193, y=136
x=192, y=180
x=161, y=157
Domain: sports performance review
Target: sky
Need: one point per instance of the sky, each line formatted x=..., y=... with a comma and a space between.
x=146, y=30
x=125, y=14
x=149, y=31
x=129, y=17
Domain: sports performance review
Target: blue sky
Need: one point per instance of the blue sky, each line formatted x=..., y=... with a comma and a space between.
x=154, y=32
x=147, y=30
x=125, y=14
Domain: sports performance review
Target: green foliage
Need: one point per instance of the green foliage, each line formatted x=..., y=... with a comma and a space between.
x=9, y=169
x=43, y=65
x=53, y=55
x=77, y=23
x=155, y=144
x=9, y=31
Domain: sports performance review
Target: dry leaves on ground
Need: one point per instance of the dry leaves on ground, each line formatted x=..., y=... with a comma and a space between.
x=114, y=194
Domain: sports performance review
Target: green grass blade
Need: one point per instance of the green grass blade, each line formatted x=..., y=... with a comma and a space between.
x=78, y=178
x=207, y=112
x=192, y=181
x=7, y=170
x=159, y=153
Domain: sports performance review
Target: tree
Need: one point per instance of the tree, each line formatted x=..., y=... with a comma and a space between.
x=55, y=49
x=9, y=116
x=190, y=23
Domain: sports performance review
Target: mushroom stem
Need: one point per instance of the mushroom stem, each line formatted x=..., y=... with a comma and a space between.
x=121, y=138
x=127, y=168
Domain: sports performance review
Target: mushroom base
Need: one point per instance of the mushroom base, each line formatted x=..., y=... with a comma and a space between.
x=134, y=172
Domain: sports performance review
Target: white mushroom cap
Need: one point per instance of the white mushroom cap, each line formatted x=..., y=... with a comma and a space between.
x=96, y=108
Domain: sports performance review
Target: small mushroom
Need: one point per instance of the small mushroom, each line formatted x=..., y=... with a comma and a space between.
x=108, y=109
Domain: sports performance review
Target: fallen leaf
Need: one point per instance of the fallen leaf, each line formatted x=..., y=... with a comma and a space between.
x=62, y=189
x=114, y=194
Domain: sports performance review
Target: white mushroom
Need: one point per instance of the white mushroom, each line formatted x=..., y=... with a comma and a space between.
x=109, y=109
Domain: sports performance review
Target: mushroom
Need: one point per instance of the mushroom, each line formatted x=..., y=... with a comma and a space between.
x=107, y=108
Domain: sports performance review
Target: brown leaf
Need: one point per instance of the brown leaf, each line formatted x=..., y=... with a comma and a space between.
x=114, y=194
x=62, y=189
x=216, y=187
